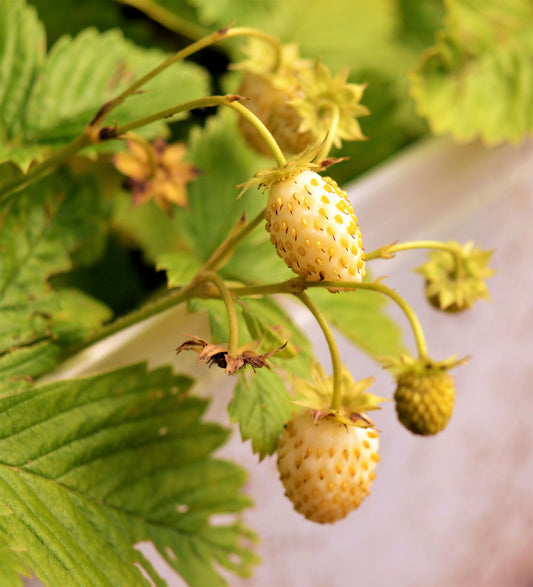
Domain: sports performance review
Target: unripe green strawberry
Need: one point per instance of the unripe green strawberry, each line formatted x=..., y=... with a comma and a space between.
x=314, y=229
x=326, y=466
x=424, y=401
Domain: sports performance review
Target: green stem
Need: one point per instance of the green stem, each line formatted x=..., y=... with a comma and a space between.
x=389, y=250
x=410, y=314
x=108, y=107
x=223, y=253
x=224, y=33
x=227, y=298
x=263, y=131
x=147, y=311
x=45, y=167
x=297, y=286
x=230, y=100
x=204, y=102
x=332, y=346
x=330, y=135
x=168, y=19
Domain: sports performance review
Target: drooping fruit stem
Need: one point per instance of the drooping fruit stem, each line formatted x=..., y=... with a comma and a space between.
x=332, y=346
x=330, y=135
x=388, y=251
x=227, y=298
x=410, y=314
x=297, y=287
x=262, y=130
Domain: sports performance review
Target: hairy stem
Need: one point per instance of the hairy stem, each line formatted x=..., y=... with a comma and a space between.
x=332, y=346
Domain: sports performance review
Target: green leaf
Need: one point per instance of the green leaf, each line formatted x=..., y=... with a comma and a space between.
x=78, y=77
x=180, y=266
x=477, y=80
x=219, y=152
x=361, y=317
x=42, y=228
x=266, y=319
x=26, y=362
x=263, y=320
x=22, y=49
x=92, y=467
x=261, y=406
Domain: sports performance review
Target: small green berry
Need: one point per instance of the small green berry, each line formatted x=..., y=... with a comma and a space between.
x=424, y=401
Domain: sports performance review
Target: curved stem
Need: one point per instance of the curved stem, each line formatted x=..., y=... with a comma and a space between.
x=204, y=102
x=230, y=100
x=225, y=293
x=262, y=130
x=389, y=250
x=258, y=34
x=332, y=346
x=165, y=17
x=297, y=286
x=215, y=37
x=223, y=253
x=410, y=314
x=330, y=135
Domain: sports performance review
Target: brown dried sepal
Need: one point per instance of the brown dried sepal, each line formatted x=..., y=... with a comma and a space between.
x=214, y=354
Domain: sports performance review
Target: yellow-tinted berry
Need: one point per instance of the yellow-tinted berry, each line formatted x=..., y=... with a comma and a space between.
x=313, y=226
x=326, y=466
x=424, y=402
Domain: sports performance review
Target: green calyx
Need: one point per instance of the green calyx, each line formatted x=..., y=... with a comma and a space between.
x=406, y=364
x=304, y=161
x=425, y=393
x=356, y=401
x=281, y=70
x=455, y=278
x=329, y=104
x=326, y=104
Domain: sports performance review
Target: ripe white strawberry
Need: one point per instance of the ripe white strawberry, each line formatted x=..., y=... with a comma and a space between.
x=314, y=229
x=326, y=466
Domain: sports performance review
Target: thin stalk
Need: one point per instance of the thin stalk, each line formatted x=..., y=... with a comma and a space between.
x=168, y=19
x=332, y=346
x=330, y=135
x=45, y=167
x=297, y=286
x=410, y=314
x=108, y=107
x=215, y=37
x=149, y=310
x=204, y=102
x=227, y=298
x=224, y=251
x=389, y=250
x=263, y=131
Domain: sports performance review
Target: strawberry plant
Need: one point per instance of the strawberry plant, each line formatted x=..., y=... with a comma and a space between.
x=127, y=187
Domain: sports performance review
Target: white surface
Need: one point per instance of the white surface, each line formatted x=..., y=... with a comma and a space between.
x=455, y=510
